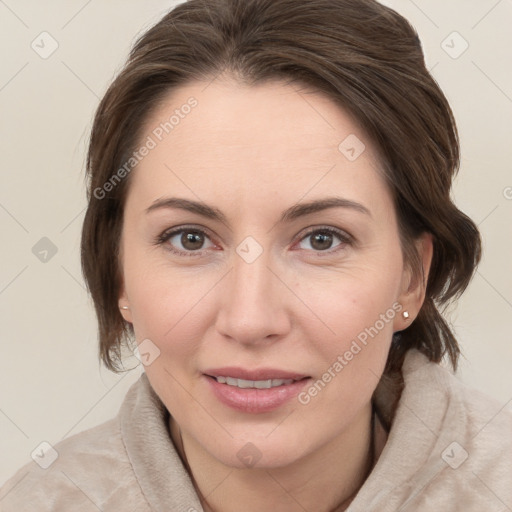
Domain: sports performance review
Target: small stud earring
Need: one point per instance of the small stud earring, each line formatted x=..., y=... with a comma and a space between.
x=124, y=307
x=405, y=314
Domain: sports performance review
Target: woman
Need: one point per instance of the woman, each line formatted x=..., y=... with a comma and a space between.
x=270, y=220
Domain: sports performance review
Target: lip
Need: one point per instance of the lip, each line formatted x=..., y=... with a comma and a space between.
x=251, y=400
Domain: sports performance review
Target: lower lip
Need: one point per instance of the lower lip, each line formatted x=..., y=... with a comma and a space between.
x=255, y=400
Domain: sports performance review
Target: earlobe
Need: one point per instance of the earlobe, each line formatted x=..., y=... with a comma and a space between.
x=124, y=306
x=123, y=300
x=414, y=287
x=126, y=313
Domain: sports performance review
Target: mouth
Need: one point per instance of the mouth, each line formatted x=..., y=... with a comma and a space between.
x=254, y=391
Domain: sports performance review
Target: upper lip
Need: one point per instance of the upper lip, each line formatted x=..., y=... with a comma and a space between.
x=256, y=374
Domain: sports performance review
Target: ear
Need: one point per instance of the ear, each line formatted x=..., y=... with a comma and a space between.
x=414, y=287
x=124, y=304
x=123, y=300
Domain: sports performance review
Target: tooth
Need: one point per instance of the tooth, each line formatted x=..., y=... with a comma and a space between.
x=242, y=383
x=263, y=384
x=256, y=384
x=280, y=382
x=231, y=381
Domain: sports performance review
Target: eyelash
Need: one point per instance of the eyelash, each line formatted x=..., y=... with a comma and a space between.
x=344, y=237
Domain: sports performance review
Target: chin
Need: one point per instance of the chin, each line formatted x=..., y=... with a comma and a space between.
x=261, y=452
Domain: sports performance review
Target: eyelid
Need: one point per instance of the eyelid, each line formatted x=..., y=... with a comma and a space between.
x=331, y=229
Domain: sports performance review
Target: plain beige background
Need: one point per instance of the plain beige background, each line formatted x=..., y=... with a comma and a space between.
x=51, y=384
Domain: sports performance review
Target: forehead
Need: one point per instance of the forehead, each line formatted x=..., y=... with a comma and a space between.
x=231, y=114
x=268, y=137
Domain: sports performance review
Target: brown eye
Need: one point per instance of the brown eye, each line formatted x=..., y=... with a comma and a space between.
x=185, y=241
x=192, y=240
x=324, y=239
x=321, y=241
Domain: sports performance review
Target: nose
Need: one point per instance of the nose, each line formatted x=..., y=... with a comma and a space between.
x=253, y=303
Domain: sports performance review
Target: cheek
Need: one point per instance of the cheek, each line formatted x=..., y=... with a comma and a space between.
x=353, y=330
x=360, y=313
x=169, y=307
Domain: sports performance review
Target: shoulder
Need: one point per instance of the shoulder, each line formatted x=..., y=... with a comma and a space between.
x=485, y=433
x=90, y=470
x=476, y=417
x=470, y=455
x=449, y=447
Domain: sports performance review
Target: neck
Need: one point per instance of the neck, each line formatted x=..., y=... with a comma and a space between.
x=326, y=480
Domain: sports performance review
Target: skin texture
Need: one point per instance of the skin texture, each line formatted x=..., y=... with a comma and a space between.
x=253, y=152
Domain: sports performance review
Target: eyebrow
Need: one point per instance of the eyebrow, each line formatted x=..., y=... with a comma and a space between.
x=292, y=213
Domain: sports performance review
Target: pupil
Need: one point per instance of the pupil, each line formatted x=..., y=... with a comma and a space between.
x=189, y=239
x=322, y=238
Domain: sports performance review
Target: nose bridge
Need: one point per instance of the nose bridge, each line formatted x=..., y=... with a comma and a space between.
x=252, y=308
x=251, y=279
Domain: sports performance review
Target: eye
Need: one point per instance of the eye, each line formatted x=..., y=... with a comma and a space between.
x=321, y=239
x=190, y=241
x=185, y=241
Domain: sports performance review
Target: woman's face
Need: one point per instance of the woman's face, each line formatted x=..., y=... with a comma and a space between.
x=233, y=267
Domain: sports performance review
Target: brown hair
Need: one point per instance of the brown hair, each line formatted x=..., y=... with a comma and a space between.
x=363, y=56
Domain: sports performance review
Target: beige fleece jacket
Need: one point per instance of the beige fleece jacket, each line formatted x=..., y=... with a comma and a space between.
x=449, y=449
